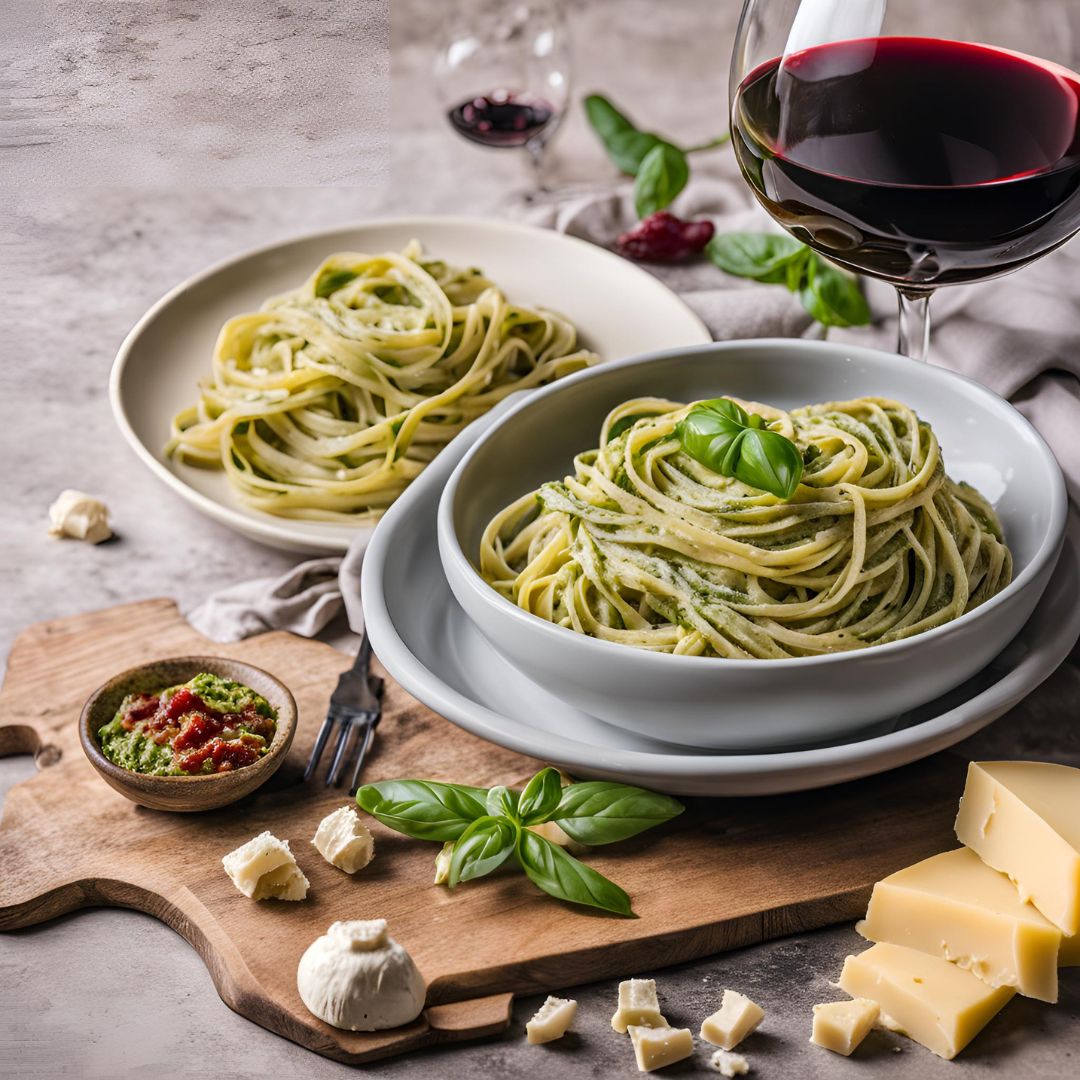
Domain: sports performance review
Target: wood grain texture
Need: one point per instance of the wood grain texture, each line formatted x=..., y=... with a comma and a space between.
x=725, y=874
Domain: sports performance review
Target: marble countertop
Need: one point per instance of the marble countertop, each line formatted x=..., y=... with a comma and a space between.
x=77, y=269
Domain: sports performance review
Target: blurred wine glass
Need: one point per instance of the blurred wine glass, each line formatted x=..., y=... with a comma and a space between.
x=922, y=143
x=503, y=73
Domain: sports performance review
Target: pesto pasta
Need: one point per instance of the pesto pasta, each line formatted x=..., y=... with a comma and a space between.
x=326, y=402
x=645, y=546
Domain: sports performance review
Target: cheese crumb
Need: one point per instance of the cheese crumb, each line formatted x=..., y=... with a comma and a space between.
x=656, y=1047
x=728, y=1064
x=733, y=1021
x=840, y=1026
x=551, y=1021
x=638, y=1005
x=79, y=516
x=343, y=840
x=264, y=869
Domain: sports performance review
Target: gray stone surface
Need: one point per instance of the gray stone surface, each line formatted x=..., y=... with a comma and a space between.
x=106, y=995
x=129, y=91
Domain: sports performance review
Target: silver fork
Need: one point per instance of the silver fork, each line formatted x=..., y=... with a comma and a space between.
x=355, y=705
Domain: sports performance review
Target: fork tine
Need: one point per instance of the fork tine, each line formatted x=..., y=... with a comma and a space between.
x=339, y=753
x=365, y=746
x=320, y=745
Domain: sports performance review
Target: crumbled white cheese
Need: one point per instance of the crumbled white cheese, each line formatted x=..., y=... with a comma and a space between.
x=344, y=841
x=80, y=517
x=638, y=1006
x=728, y=1064
x=264, y=869
x=551, y=1020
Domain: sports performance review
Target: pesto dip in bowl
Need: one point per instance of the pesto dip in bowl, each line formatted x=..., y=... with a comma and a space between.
x=208, y=724
x=189, y=733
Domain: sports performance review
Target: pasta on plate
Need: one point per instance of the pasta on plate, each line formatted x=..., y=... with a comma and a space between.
x=330, y=399
x=646, y=546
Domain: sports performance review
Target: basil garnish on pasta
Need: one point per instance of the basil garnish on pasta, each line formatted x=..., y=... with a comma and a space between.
x=723, y=436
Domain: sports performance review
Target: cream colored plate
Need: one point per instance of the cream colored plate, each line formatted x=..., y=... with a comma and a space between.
x=618, y=308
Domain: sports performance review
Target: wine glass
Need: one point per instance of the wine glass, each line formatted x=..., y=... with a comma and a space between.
x=503, y=72
x=918, y=142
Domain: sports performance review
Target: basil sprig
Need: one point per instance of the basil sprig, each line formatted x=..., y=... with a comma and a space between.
x=488, y=826
x=724, y=437
x=659, y=167
x=831, y=295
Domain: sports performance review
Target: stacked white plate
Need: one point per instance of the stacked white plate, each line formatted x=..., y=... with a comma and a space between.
x=428, y=643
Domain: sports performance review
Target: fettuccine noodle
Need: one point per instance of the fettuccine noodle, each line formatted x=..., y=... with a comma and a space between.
x=645, y=546
x=330, y=399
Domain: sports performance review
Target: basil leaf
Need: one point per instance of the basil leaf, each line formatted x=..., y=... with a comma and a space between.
x=502, y=801
x=540, y=797
x=604, y=118
x=484, y=846
x=765, y=257
x=560, y=875
x=833, y=296
x=628, y=149
x=711, y=433
x=599, y=812
x=329, y=283
x=424, y=809
x=770, y=462
x=660, y=177
x=725, y=438
x=625, y=144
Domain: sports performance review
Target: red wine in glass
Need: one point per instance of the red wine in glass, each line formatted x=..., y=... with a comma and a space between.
x=922, y=161
x=502, y=118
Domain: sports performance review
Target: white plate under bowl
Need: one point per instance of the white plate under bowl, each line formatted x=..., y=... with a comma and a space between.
x=618, y=308
x=434, y=651
x=749, y=705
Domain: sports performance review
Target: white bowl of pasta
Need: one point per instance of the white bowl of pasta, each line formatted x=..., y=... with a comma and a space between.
x=671, y=595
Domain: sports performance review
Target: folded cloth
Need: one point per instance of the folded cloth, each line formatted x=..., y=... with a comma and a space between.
x=304, y=600
x=1019, y=335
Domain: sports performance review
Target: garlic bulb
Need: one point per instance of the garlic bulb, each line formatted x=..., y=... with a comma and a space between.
x=358, y=978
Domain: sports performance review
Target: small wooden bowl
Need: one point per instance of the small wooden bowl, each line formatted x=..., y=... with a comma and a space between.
x=186, y=793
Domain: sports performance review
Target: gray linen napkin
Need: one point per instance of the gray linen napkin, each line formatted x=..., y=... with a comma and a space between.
x=1019, y=335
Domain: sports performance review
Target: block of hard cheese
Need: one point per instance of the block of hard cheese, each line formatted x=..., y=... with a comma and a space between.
x=1023, y=818
x=955, y=906
x=1070, y=952
x=924, y=997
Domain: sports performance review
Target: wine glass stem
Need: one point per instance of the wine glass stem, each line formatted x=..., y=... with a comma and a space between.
x=535, y=149
x=914, y=336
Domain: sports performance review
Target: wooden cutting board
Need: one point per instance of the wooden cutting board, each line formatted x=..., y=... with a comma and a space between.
x=727, y=873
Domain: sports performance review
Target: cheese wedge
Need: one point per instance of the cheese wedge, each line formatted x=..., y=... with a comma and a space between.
x=955, y=906
x=733, y=1021
x=840, y=1026
x=1023, y=818
x=655, y=1047
x=551, y=1021
x=264, y=869
x=638, y=1005
x=344, y=841
x=924, y=997
x=1070, y=952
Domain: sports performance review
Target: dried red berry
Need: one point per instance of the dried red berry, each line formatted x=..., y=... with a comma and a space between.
x=662, y=237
